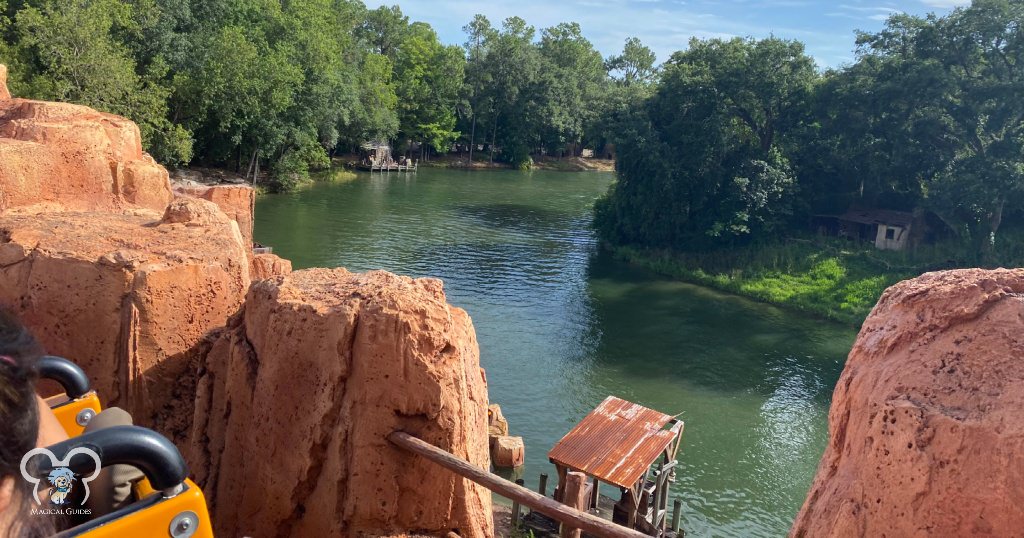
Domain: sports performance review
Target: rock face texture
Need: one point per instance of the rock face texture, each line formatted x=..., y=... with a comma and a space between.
x=74, y=157
x=926, y=430
x=266, y=266
x=297, y=395
x=236, y=201
x=125, y=295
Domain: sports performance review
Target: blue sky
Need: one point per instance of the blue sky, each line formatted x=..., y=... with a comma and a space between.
x=667, y=25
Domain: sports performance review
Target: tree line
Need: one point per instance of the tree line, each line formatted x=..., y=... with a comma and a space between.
x=743, y=140
x=280, y=86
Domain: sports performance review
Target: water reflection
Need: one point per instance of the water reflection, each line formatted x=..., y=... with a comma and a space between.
x=562, y=325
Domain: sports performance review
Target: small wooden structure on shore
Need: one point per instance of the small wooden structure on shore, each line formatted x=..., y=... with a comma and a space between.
x=888, y=230
x=378, y=158
x=628, y=446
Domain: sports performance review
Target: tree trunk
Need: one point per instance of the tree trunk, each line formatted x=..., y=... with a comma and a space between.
x=472, y=140
x=494, y=134
x=995, y=219
x=252, y=162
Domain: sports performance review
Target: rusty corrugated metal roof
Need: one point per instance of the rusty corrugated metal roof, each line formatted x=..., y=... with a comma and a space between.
x=616, y=442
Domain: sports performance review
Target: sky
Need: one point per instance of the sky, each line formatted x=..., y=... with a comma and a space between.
x=827, y=28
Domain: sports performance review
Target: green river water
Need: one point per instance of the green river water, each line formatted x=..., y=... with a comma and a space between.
x=562, y=325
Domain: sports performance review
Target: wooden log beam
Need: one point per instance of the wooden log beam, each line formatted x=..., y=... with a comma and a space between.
x=575, y=497
x=581, y=520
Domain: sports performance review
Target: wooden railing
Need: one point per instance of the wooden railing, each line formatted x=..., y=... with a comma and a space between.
x=567, y=516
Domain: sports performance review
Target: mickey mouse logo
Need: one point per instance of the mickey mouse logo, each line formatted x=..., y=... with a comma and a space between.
x=61, y=477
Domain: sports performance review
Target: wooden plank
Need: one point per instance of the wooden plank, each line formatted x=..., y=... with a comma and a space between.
x=581, y=520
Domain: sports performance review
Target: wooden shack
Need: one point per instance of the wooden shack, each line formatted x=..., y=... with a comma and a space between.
x=886, y=229
x=377, y=157
x=630, y=447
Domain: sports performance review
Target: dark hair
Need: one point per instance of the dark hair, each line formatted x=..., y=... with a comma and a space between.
x=19, y=418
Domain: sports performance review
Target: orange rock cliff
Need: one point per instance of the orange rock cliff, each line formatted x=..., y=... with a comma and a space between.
x=926, y=430
x=278, y=387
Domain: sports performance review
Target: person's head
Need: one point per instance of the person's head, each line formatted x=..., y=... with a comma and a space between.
x=19, y=426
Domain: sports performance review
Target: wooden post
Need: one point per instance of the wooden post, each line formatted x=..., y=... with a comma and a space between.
x=543, y=487
x=677, y=513
x=657, y=499
x=559, y=487
x=575, y=495
x=582, y=520
x=515, y=508
x=595, y=496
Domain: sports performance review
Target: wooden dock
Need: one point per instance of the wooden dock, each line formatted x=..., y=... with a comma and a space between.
x=394, y=167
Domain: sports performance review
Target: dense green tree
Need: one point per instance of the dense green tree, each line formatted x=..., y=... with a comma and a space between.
x=428, y=86
x=511, y=67
x=375, y=115
x=384, y=29
x=572, y=77
x=478, y=77
x=710, y=166
x=968, y=73
x=71, y=52
x=635, y=65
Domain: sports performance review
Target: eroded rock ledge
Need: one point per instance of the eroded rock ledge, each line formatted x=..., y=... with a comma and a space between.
x=297, y=396
x=127, y=295
x=926, y=430
x=74, y=157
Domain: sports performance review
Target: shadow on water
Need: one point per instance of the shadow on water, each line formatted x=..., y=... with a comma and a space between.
x=562, y=325
x=706, y=338
x=515, y=216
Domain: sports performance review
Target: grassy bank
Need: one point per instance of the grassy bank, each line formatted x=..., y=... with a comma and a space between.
x=834, y=279
x=564, y=164
x=335, y=174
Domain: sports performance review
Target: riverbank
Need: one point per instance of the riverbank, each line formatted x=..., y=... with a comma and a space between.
x=834, y=281
x=208, y=176
x=480, y=162
x=554, y=164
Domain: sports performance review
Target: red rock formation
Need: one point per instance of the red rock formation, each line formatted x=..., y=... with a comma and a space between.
x=236, y=201
x=266, y=266
x=300, y=391
x=926, y=430
x=125, y=295
x=295, y=395
x=74, y=157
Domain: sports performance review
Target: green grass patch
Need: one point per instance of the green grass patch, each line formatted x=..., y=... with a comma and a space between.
x=334, y=175
x=834, y=280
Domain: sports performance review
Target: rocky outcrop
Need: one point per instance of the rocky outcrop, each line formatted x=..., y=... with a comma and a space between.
x=297, y=396
x=236, y=201
x=926, y=436
x=293, y=381
x=266, y=266
x=74, y=158
x=126, y=295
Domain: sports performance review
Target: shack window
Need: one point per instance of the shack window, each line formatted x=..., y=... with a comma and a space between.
x=890, y=233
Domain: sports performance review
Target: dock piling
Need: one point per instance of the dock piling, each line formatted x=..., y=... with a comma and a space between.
x=515, y=507
x=575, y=497
x=543, y=487
x=677, y=513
